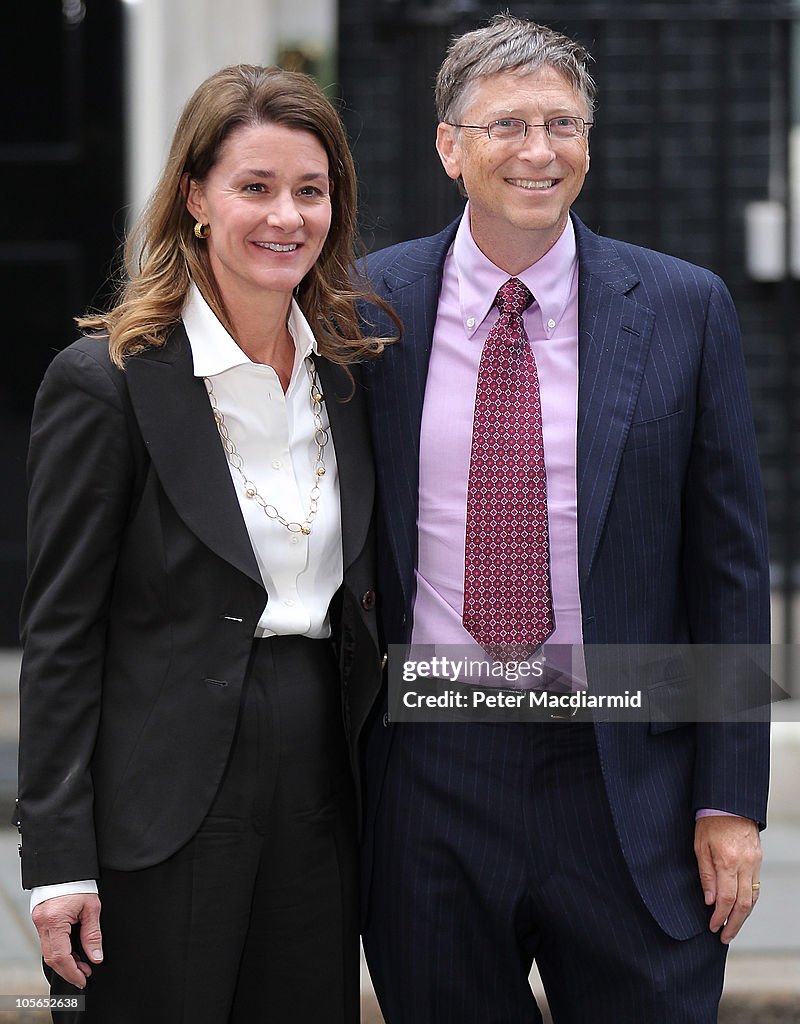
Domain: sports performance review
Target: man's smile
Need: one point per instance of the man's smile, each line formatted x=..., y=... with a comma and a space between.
x=531, y=185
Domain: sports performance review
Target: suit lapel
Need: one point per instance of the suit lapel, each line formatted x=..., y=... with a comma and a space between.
x=350, y=432
x=411, y=284
x=613, y=345
x=175, y=418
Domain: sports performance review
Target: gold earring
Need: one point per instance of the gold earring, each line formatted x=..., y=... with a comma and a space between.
x=201, y=230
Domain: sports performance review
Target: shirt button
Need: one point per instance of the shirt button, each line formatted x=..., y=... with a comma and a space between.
x=294, y=539
x=551, y=324
x=471, y=322
x=276, y=463
x=288, y=602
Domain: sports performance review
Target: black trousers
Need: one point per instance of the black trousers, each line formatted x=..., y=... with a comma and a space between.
x=494, y=847
x=255, y=919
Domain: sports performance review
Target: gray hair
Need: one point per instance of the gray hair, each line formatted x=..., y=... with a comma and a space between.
x=508, y=44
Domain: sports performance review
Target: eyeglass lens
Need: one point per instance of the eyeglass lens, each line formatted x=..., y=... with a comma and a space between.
x=559, y=128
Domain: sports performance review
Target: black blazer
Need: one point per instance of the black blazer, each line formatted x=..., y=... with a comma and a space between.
x=142, y=601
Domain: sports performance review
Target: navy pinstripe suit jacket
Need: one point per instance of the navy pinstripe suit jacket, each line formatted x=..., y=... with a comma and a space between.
x=671, y=521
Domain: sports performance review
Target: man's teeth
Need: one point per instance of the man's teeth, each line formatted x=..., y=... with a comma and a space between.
x=274, y=247
x=525, y=183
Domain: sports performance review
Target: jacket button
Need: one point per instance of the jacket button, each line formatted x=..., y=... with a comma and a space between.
x=368, y=600
x=385, y=719
x=384, y=660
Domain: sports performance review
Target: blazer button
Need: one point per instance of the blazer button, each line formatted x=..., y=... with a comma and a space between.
x=385, y=719
x=368, y=601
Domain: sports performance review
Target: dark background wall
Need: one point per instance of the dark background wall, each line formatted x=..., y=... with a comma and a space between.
x=691, y=125
x=61, y=179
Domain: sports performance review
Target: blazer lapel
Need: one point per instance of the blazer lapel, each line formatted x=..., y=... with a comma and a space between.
x=350, y=432
x=411, y=284
x=613, y=343
x=175, y=418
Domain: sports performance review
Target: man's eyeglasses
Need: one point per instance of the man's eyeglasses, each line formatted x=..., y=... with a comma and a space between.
x=514, y=129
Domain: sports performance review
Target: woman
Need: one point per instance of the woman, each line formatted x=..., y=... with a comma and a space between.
x=200, y=507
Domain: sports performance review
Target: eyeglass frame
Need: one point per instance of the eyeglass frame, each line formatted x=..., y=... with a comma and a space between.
x=582, y=134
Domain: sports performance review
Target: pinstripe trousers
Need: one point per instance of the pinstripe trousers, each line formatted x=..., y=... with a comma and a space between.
x=495, y=846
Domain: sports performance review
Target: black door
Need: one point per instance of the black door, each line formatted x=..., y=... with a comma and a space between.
x=61, y=183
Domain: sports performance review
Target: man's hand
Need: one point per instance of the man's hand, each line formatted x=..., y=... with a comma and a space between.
x=728, y=851
x=54, y=920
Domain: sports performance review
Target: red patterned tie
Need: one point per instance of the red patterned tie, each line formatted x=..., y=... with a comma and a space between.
x=507, y=602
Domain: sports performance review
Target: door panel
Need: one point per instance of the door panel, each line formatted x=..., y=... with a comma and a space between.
x=61, y=179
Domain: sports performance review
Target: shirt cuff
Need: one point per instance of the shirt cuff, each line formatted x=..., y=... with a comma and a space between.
x=711, y=812
x=40, y=893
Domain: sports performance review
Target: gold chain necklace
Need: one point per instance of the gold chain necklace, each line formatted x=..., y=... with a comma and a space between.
x=237, y=462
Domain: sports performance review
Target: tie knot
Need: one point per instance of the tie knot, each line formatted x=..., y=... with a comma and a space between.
x=513, y=297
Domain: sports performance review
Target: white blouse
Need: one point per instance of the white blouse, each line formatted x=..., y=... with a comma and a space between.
x=274, y=434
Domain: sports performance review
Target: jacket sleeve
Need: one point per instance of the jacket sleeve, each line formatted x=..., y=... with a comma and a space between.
x=81, y=470
x=726, y=572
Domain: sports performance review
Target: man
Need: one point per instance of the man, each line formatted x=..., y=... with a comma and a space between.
x=622, y=856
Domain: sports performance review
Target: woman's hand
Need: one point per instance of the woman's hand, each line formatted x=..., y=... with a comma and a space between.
x=54, y=919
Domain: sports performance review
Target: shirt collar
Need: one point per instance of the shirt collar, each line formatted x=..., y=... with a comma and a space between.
x=550, y=279
x=214, y=350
